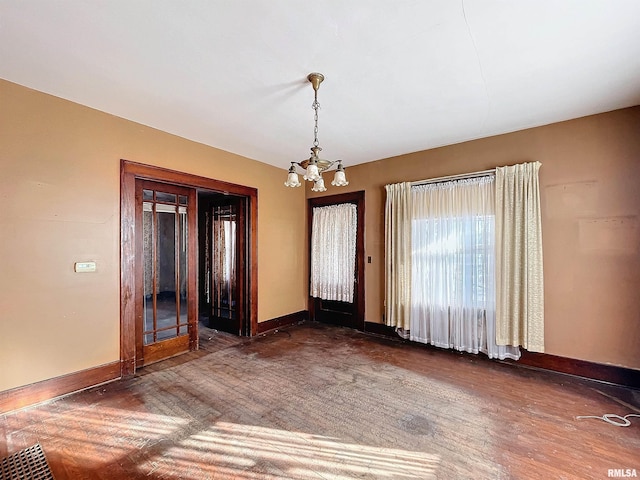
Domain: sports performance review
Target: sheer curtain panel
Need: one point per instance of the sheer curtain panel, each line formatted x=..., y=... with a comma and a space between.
x=333, y=252
x=397, y=254
x=453, y=267
x=520, y=294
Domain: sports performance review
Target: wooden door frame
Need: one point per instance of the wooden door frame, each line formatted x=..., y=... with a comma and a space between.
x=129, y=172
x=358, y=199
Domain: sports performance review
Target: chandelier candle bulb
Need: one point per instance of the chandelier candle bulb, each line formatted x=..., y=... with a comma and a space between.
x=340, y=179
x=292, y=178
x=315, y=165
x=312, y=174
x=318, y=186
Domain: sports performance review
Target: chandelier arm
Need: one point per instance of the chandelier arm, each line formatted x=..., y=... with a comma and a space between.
x=323, y=165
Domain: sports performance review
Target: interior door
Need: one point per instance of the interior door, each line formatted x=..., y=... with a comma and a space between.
x=165, y=271
x=347, y=314
x=224, y=263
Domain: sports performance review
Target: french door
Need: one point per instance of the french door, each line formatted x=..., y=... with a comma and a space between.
x=165, y=277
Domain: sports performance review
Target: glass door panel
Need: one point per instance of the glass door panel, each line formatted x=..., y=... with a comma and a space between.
x=182, y=271
x=223, y=267
x=166, y=320
x=149, y=277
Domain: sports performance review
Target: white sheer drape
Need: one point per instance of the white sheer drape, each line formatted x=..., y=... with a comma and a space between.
x=333, y=252
x=453, y=267
x=397, y=254
x=520, y=299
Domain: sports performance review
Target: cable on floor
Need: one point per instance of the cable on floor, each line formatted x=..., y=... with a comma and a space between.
x=612, y=419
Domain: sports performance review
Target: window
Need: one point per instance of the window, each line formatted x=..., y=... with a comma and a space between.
x=456, y=253
x=463, y=261
x=453, y=266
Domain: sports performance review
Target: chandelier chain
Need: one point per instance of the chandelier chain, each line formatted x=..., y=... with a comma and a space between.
x=315, y=107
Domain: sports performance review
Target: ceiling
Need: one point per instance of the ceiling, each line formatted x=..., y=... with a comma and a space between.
x=401, y=76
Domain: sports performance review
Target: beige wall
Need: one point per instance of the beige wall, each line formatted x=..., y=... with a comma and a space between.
x=591, y=213
x=60, y=191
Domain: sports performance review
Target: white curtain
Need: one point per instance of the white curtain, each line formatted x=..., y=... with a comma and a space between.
x=397, y=254
x=520, y=297
x=333, y=252
x=453, y=267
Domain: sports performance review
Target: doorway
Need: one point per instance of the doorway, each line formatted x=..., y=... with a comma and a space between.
x=347, y=314
x=153, y=321
x=222, y=262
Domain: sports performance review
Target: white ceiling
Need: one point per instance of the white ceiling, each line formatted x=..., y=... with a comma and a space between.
x=401, y=75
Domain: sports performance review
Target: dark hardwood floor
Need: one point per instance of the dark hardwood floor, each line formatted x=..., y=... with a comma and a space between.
x=322, y=402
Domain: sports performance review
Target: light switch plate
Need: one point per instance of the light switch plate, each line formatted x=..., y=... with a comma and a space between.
x=84, y=267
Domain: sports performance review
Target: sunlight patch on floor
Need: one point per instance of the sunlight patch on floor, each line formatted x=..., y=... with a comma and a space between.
x=247, y=451
x=107, y=433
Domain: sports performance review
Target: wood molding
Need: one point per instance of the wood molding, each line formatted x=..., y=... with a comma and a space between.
x=154, y=173
x=616, y=375
x=38, y=392
x=581, y=368
x=284, y=321
x=380, y=329
x=127, y=278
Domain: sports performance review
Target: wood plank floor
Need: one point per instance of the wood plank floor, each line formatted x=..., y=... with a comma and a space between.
x=321, y=402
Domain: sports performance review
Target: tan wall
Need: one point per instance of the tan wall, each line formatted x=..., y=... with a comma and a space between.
x=59, y=182
x=60, y=191
x=591, y=215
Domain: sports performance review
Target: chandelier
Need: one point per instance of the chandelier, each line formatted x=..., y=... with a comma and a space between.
x=315, y=166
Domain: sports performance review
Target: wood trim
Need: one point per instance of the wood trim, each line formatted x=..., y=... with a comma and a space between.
x=284, y=321
x=127, y=270
x=380, y=329
x=601, y=372
x=241, y=264
x=164, y=349
x=192, y=270
x=129, y=172
x=252, y=288
x=360, y=258
x=159, y=174
x=581, y=368
x=38, y=392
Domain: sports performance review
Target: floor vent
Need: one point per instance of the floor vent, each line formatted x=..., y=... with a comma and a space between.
x=27, y=464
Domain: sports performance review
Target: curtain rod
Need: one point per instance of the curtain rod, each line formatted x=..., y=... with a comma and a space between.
x=454, y=177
